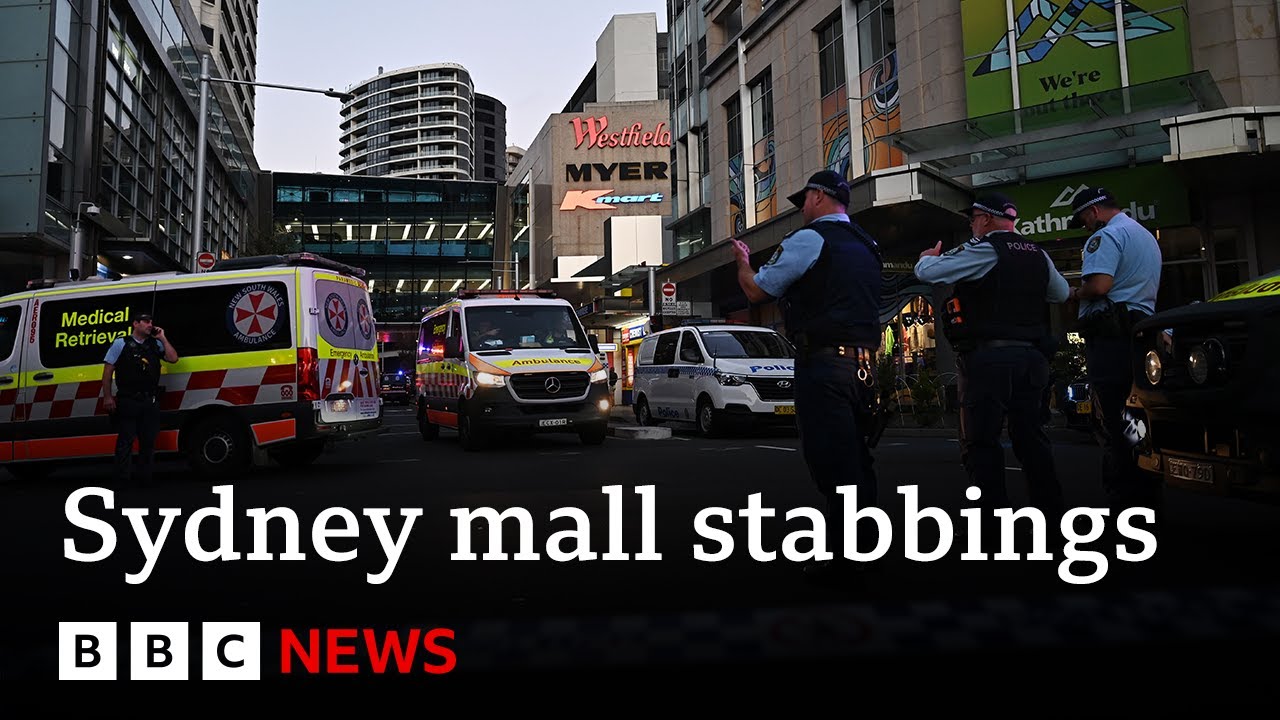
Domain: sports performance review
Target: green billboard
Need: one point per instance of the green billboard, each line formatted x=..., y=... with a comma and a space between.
x=1152, y=194
x=1067, y=49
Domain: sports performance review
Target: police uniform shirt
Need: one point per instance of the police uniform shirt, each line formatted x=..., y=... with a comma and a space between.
x=973, y=260
x=798, y=252
x=1128, y=253
x=117, y=347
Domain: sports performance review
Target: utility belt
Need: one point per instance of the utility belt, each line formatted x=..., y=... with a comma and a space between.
x=871, y=415
x=1112, y=321
x=140, y=395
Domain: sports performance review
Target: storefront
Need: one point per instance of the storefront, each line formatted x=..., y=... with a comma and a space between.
x=909, y=339
x=629, y=338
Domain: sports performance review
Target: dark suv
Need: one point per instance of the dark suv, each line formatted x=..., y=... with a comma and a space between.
x=1206, y=389
x=397, y=387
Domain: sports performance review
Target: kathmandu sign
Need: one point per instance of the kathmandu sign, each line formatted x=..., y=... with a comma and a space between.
x=594, y=132
x=602, y=200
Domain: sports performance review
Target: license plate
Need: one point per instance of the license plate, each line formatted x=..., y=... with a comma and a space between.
x=553, y=423
x=1084, y=408
x=1188, y=470
x=784, y=410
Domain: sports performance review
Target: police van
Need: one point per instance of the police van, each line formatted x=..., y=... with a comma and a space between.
x=715, y=376
x=491, y=361
x=276, y=354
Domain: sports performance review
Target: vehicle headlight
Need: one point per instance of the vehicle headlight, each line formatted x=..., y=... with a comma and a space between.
x=485, y=379
x=1155, y=370
x=728, y=379
x=600, y=376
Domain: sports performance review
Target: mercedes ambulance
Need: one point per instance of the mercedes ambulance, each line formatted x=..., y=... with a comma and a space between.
x=715, y=375
x=276, y=353
x=507, y=361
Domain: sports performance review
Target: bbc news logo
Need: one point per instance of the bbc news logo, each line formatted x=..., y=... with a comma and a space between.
x=159, y=650
x=233, y=651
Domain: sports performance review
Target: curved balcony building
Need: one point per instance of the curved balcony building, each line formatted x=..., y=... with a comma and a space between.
x=416, y=122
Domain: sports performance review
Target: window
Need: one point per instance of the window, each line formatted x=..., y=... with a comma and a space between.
x=505, y=327
x=878, y=83
x=213, y=320
x=743, y=344
x=10, y=320
x=665, y=352
x=689, y=351
x=737, y=201
x=288, y=194
x=836, y=151
x=434, y=330
x=78, y=330
x=762, y=137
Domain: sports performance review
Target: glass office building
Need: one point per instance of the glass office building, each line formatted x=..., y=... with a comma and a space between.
x=421, y=241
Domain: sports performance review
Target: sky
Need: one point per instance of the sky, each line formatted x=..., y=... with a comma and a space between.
x=529, y=54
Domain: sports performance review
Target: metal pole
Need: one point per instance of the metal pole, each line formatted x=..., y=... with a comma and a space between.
x=517, y=264
x=202, y=139
x=77, y=248
x=653, y=297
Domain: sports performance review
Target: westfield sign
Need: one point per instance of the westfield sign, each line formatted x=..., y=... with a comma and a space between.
x=594, y=131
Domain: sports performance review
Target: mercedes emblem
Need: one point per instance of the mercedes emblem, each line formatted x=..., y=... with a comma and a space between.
x=553, y=385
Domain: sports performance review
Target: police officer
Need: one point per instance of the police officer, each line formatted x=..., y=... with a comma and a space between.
x=997, y=320
x=1120, y=278
x=134, y=361
x=827, y=275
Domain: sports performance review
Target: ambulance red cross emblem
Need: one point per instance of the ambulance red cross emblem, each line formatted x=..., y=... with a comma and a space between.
x=253, y=313
x=335, y=314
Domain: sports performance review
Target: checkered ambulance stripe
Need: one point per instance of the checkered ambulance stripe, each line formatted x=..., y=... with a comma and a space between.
x=182, y=391
x=345, y=376
x=998, y=623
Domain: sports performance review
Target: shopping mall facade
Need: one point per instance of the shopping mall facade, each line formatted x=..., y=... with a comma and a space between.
x=918, y=104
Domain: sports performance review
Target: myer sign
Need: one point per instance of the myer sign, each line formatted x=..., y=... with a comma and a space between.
x=1151, y=194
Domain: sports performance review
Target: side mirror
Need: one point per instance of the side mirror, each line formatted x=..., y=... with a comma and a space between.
x=453, y=347
x=594, y=342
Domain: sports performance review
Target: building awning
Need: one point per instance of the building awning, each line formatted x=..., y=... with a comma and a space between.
x=1230, y=150
x=134, y=256
x=1082, y=133
x=909, y=208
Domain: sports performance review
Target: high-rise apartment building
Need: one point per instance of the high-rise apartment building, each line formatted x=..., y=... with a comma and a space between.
x=491, y=139
x=415, y=122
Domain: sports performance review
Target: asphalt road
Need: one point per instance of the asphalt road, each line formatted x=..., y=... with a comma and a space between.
x=1205, y=600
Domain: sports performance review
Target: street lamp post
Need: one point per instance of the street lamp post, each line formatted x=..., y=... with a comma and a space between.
x=77, y=239
x=203, y=132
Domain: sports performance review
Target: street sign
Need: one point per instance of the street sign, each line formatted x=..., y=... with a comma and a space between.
x=205, y=261
x=668, y=291
x=684, y=308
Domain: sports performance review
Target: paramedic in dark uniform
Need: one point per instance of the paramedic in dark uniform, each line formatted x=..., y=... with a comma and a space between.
x=1004, y=284
x=134, y=361
x=827, y=276
x=1120, y=276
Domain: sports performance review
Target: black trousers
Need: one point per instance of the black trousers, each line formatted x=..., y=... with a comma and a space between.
x=136, y=419
x=829, y=396
x=999, y=384
x=1110, y=361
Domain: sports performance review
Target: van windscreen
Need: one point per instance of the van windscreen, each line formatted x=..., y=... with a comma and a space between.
x=731, y=344
x=507, y=327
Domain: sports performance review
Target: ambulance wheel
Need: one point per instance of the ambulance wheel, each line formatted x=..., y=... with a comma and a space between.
x=469, y=437
x=428, y=429
x=217, y=446
x=643, y=415
x=297, y=454
x=594, y=434
x=709, y=420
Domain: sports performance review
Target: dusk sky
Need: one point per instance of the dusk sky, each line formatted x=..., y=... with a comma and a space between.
x=530, y=54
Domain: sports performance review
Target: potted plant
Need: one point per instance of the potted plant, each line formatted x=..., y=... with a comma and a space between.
x=927, y=394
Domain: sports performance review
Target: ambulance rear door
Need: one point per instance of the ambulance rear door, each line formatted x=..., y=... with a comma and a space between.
x=13, y=318
x=347, y=352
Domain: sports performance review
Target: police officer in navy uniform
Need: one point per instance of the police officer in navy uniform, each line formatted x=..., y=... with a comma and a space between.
x=998, y=322
x=134, y=361
x=827, y=276
x=1120, y=274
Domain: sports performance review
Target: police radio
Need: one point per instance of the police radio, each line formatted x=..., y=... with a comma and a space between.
x=958, y=332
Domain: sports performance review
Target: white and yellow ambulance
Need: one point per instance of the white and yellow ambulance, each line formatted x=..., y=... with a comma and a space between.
x=276, y=353
x=507, y=361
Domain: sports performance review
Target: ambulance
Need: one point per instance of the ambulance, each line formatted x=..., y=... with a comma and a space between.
x=493, y=361
x=277, y=357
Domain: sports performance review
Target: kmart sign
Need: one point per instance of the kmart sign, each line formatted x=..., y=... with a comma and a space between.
x=1152, y=194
